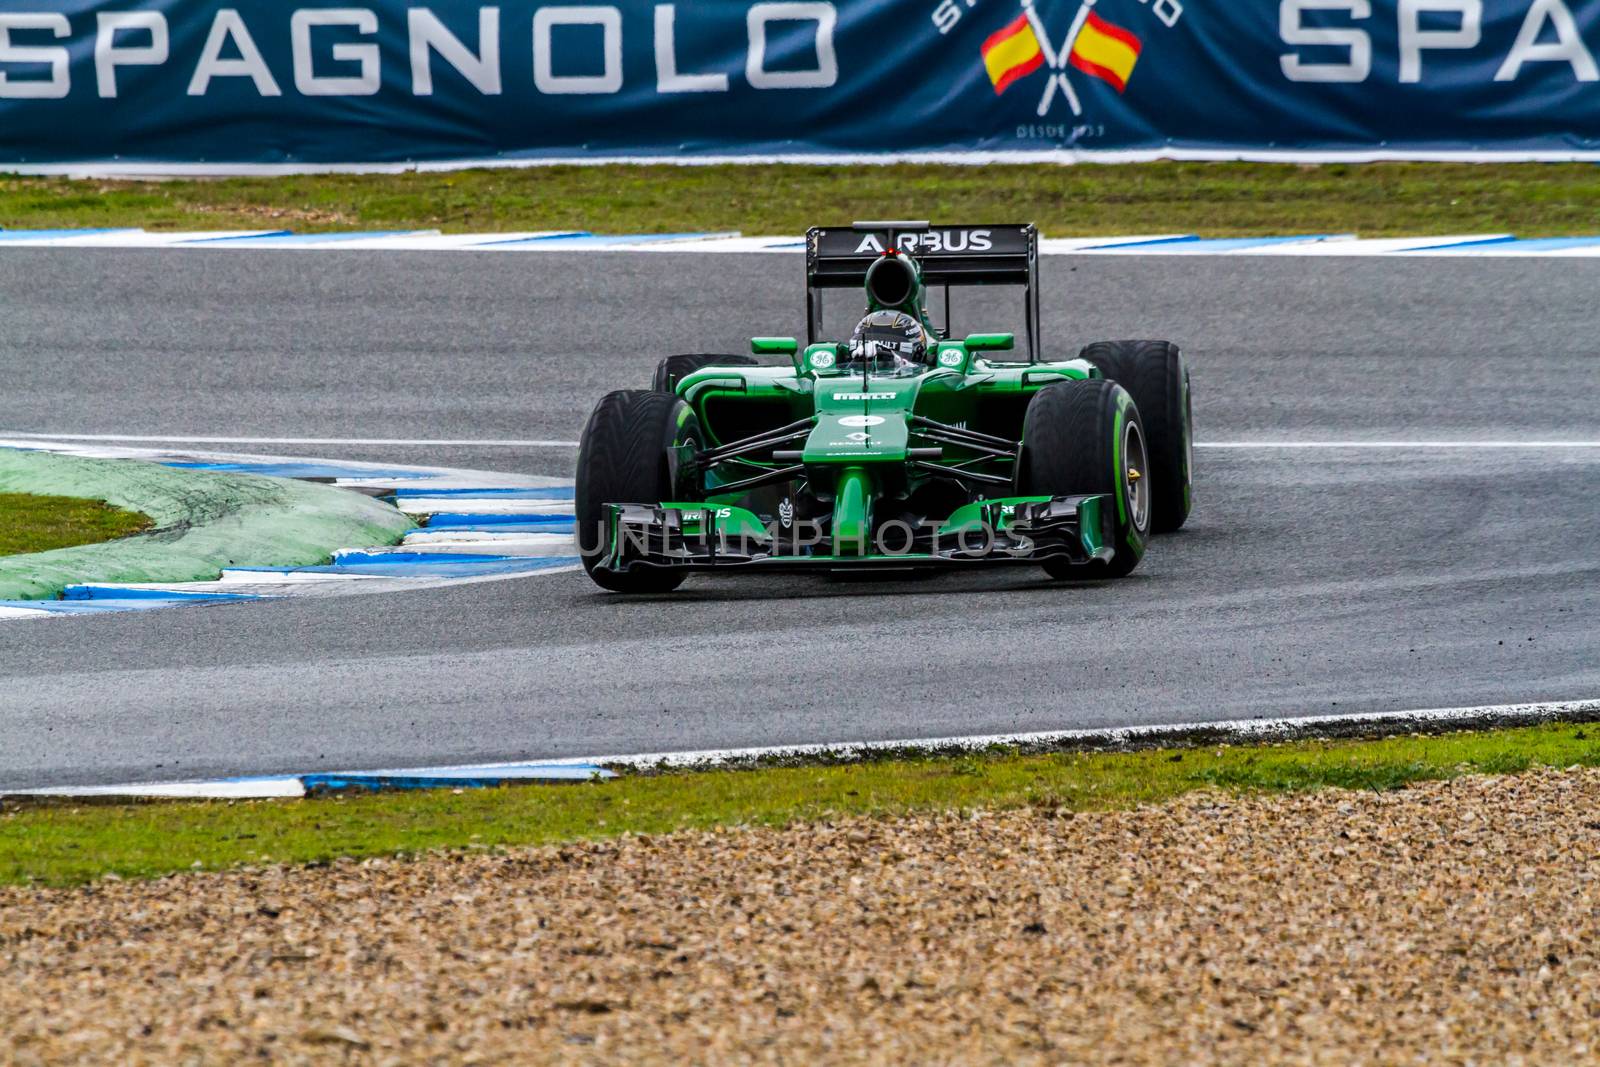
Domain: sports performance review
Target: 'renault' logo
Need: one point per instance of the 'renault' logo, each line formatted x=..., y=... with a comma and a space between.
x=1093, y=46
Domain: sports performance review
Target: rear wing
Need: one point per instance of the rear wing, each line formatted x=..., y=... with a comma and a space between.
x=837, y=257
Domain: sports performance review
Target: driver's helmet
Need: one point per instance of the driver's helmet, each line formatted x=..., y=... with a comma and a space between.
x=889, y=339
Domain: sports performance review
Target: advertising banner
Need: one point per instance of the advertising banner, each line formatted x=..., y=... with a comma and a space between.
x=221, y=83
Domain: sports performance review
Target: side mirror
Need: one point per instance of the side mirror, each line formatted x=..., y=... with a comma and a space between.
x=991, y=342
x=774, y=346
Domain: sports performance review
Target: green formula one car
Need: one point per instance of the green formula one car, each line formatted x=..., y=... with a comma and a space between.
x=904, y=448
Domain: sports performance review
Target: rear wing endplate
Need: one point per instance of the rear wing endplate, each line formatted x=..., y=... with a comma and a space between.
x=837, y=257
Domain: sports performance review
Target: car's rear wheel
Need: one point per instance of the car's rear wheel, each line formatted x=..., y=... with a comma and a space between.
x=1083, y=438
x=673, y=369
x=1154, y=372
x=637, y=448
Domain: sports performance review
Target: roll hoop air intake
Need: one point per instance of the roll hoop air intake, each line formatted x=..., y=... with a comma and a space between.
x=893, y=282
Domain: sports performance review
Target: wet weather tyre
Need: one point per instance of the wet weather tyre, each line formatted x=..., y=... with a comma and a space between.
x=673, y=369
x=1083, y=438
x=634, y=450
x=1154, y=372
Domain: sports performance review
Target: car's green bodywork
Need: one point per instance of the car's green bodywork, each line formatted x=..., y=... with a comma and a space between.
x=905, y=449
x=916, y=466
x=856, y=466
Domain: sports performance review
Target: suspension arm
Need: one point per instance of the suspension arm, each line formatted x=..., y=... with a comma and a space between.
x=764, y=439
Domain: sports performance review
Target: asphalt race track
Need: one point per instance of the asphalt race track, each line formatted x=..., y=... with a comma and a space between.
x=1309, y=581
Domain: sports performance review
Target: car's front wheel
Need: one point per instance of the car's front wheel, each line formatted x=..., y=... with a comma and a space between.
x=1084, y=438
x=1154, y=372
x=637, y=448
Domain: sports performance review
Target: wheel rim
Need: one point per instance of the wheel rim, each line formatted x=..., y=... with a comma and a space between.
x=1135, y=475
x=678, y=471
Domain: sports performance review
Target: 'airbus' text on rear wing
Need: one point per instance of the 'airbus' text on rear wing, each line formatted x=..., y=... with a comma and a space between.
x=837, y=257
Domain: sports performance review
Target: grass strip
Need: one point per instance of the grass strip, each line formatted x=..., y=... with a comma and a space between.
x=1213, y=199
x=30, y=523
x=72, y=843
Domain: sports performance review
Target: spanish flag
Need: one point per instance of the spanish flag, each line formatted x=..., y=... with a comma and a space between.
x=1105, y=51
x=1012, y=52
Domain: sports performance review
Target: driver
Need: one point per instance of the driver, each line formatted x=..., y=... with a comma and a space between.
x=889, y=340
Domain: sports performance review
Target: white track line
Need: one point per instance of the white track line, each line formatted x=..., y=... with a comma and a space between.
x=1242, y=730
x=1494, y=245
x=1239, y=730
x=1226, y=730
x=283, y=787
x=1397, y=444
x=292, y=786
x=384, y=441
x=494, y=442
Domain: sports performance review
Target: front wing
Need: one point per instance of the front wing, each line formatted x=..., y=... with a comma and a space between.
x=703, y=537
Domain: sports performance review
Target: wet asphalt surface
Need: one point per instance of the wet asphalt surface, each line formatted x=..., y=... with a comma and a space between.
x=1309, y=581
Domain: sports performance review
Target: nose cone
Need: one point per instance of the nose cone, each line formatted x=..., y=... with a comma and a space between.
x=862, y=422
